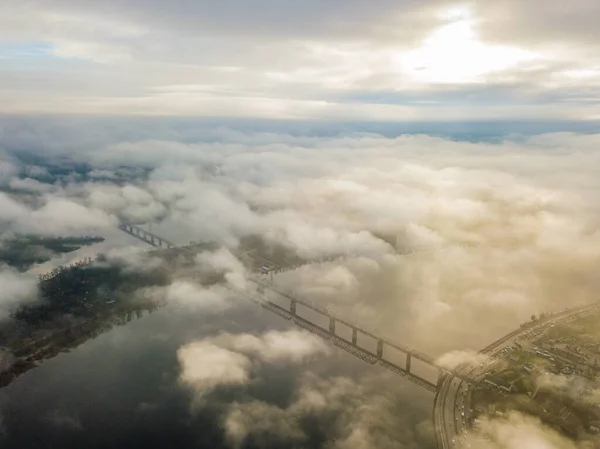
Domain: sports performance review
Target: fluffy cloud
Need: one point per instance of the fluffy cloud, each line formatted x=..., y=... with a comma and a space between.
x=292, y=346
x=205, y=365
x=222, y=261
x=227, y=359
x=16, y=290
x=357, y=415
x=443, y=232
x=130, y=202
x=455, y=359
x=452, y=244
x=134, y=258
x=58, y=215
x=187, y=294
x=519, y=431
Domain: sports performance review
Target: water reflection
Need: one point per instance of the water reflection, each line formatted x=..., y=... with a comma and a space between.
x=122, y=389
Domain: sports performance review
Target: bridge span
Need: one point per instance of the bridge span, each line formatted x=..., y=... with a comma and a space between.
x=146, y=236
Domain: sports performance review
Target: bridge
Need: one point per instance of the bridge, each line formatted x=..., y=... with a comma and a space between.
x=146, y=236
x=365, y=344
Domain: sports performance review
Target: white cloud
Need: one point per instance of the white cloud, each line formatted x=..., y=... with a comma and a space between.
x=357, y=415
x=205, y=365
x=292, y=346
x=29, y=185
x=228, y=359
x=17, y=289
x=190, y=295
x=504, y=230
x=131, y=202
x=520, y=432
x=461, y=359
x=63, y=215
x=7, y=171
x=134, y=258
x=57, y=216
x=222, y=261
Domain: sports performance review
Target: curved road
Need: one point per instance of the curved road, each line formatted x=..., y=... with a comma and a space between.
x=452, y=397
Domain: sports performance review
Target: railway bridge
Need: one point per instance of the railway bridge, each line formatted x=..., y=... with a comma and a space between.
x=365, y=344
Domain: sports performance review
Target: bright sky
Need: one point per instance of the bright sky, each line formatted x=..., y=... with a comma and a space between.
x=330, y=59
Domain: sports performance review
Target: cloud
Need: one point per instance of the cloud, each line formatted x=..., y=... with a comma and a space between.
x=188, y=294
x=205, y=366
x=17, y=289
x=7, y=171
x=357, y=415
x=519, y=431
x=552, y=381
x=29, y=185
x=133, y=258
x=292, y=346
x=454, y=359
x=132, y=203
x=6, y=360
x=227, y=359
x=450, y=245
x=444, y=232
x=261, y=420
x=223, y=261
x=57, y=216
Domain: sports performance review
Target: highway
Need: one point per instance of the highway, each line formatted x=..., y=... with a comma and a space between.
x=452, y=397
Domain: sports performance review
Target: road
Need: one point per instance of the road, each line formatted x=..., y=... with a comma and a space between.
x=452, y=397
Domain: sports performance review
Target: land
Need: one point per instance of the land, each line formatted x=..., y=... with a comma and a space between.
x=551, y=373
x=75, y=303
x=23, y=251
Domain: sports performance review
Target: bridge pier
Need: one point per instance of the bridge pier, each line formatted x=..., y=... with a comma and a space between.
x=293, y=307
x=408, y=360
x=380, y=349
x=332, y=325
x=354, y=336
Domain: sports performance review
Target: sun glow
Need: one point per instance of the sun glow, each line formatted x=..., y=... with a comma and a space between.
x=454, y=54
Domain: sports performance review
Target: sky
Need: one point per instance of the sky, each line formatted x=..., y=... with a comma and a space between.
x=383, y=60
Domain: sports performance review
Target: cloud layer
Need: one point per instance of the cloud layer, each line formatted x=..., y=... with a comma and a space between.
x=496, y=231
x=390, y=60
x=448, y=245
